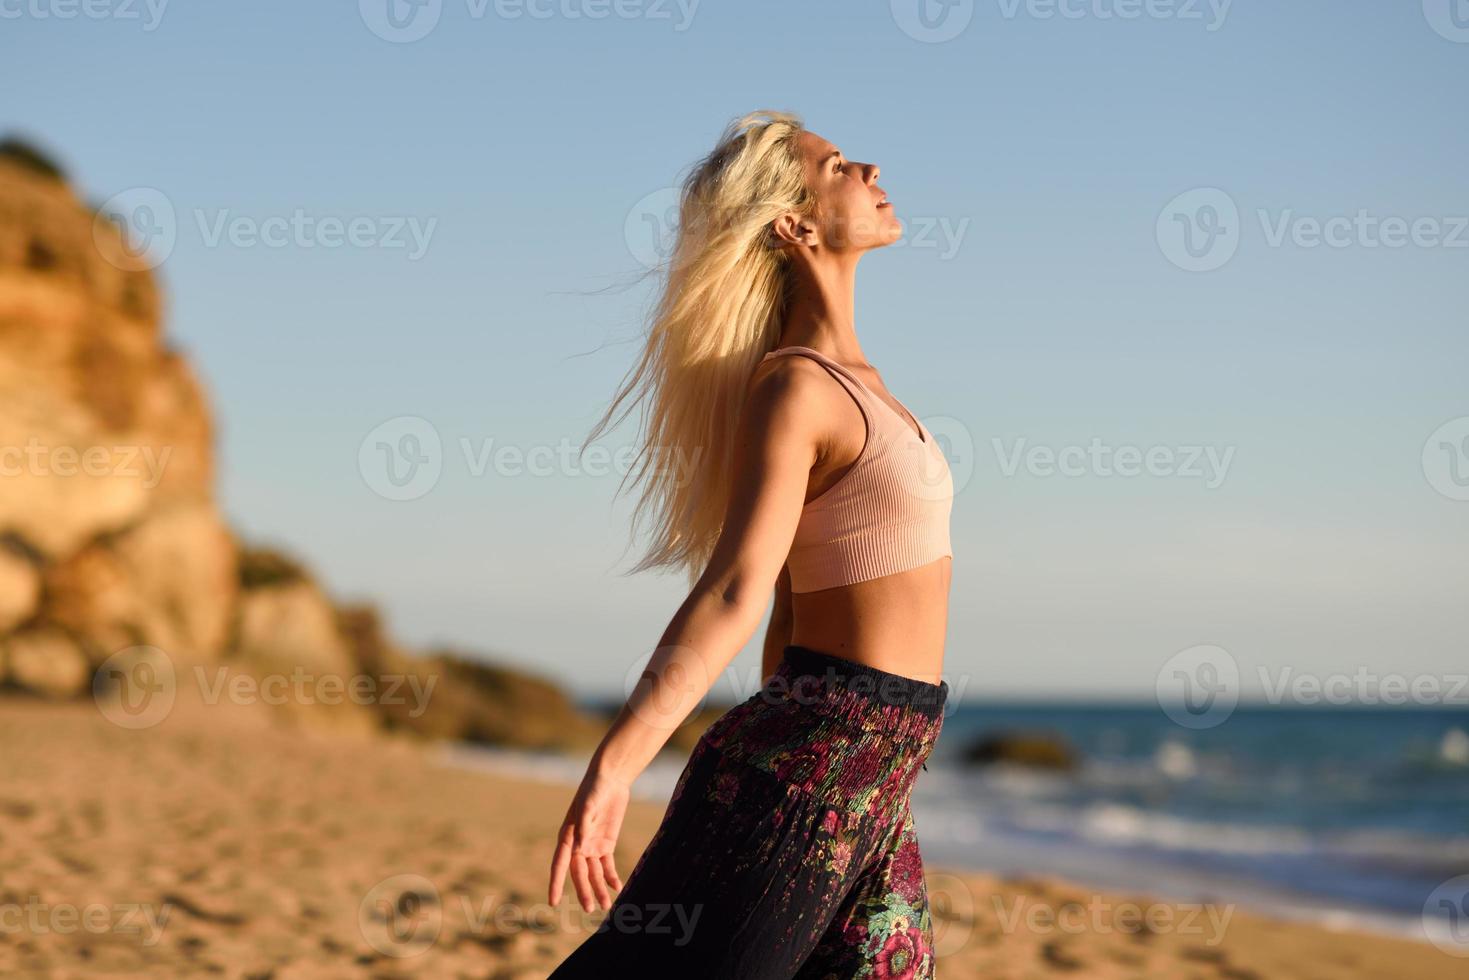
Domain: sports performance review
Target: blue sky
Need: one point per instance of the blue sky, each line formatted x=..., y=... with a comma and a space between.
x=1039, y=298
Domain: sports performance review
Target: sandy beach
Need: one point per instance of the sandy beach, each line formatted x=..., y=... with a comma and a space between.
x=241, y=848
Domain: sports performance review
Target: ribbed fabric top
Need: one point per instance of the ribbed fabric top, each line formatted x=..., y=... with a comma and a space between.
x=888, y=513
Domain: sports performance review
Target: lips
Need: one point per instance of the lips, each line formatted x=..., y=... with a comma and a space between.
x=884, y=202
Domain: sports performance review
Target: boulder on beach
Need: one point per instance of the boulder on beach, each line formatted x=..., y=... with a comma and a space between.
x=476, y=701
x=456, y=696
x=45, y=661
x=1031, y=750
x=20, y=587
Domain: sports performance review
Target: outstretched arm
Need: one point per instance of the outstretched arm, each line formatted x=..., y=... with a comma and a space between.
x=777, y=441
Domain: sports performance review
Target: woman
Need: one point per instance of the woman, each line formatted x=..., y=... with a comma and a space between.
x=776, y=458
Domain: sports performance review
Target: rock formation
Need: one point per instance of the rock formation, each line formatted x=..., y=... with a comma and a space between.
x=110, y=536
x=110, y=533
x=1031, y=750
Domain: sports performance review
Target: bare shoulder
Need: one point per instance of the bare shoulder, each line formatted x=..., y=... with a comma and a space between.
x=793, y=392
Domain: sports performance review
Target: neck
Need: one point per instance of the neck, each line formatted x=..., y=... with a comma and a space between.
x=822, y=310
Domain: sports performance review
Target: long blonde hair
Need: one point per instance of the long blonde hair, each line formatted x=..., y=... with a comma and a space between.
x=720, y=309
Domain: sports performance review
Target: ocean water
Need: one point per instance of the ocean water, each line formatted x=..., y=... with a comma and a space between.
x=1352, y=816
x=1338, y=812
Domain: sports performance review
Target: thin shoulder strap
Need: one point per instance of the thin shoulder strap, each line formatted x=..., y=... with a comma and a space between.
x=821, y=358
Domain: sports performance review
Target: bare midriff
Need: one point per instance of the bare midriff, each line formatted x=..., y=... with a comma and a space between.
x=897, y=623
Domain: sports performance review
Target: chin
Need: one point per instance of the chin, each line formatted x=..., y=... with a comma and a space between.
x=892, y=229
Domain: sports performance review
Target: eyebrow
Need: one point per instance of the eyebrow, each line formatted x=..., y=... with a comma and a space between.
x=833, y=153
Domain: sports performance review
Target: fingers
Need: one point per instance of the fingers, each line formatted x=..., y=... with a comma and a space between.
x=580, y=878
x=595, y=878
x=595, y=873
x=609, y=869
x=560, y=861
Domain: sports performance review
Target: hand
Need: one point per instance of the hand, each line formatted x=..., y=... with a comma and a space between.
x=587, y=840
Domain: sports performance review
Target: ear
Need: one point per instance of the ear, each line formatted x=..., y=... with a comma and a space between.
x=792, y=229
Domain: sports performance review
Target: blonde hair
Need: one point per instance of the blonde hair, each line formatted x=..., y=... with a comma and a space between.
x=720, y=309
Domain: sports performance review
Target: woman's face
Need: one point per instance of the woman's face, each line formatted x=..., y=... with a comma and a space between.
x=852, y=211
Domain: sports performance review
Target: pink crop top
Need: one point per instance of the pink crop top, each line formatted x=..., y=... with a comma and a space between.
x=887, y=513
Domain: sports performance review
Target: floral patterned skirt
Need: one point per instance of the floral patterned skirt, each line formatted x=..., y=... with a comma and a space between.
x=788, y=849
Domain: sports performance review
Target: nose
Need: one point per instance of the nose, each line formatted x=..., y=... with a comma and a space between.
x=872, y=172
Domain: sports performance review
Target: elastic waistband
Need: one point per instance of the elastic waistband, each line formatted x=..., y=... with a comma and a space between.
x=851, y=735
x=816, y=674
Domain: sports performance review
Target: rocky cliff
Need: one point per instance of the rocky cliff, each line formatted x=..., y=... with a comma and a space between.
x=111, y=543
